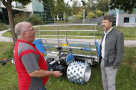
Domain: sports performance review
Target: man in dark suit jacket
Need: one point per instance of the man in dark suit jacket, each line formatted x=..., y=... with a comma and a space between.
x=112, y=48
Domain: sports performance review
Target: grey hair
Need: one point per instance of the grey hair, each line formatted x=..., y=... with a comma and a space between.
x=22, y=26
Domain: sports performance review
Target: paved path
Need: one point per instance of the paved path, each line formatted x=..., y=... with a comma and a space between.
x=6, y=39
x=130, y=43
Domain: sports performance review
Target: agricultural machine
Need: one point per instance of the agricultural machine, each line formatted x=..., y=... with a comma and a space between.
x=69, y=51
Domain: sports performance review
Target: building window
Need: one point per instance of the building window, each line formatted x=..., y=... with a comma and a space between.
x=126, y=19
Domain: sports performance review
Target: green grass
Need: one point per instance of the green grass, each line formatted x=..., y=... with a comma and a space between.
x=129, y=32
x=6, y=50
x=3, y=26
x=8, y=77
x=126, y=76
x=7, y=73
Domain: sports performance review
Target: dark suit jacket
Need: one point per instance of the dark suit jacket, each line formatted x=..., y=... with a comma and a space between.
x=114, y=48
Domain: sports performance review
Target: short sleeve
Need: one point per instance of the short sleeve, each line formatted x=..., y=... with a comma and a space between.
x=30, y=62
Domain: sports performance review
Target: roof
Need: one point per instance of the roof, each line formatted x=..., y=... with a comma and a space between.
x=18, y=9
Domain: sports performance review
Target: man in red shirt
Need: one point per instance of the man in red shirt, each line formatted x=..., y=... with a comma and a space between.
x=32, y=69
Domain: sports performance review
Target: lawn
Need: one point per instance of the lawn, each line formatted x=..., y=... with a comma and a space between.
x=126, y=76
x=3, y=26
x=129, y=33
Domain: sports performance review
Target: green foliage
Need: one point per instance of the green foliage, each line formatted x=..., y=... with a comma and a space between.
x=99, y=13
x=106, y=13
x=75, y=7
x=49, y=11
x=54, y=8
x=20, y=17
x=78, y=17
x=126, y=5
x=91, y=15
x=3, y=26
x=68, y=9
x=23, y=2
x=99, y=7
x=60, y=9
x=50, y=4
x=35, y=20
x=103, y=5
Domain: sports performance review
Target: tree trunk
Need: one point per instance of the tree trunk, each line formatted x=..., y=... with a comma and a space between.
x=7, y=4
x=12, y=25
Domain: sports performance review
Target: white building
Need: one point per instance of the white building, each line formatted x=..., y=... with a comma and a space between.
x=35, y=7
x=124, y=19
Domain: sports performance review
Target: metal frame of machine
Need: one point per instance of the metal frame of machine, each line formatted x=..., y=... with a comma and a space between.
x=63, y=59
x=65, y=42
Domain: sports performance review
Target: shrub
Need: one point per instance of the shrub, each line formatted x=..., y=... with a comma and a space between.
x=35, y=20
x=99, y=13
x=78, y=17
x=20, y=17
x=91, y=15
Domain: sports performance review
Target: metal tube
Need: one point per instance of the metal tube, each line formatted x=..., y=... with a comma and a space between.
x=79, y=72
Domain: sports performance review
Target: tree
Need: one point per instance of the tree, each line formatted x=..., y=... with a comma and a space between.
x=20, y=17
x=84, y=7
x=92, y=6
x=7, y=4
x=89, y=5
x=99, y=13
x=68, y=11
x=126, y=5
x=91, y=15
x=35, y=20
x=78, y=16
x=103, y=5
x=75, y=8
x=54, y=8
x=60, y=9
x=49, y=10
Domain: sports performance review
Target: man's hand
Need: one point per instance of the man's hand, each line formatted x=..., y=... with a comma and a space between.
x=99, y=60
x=57, y=73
